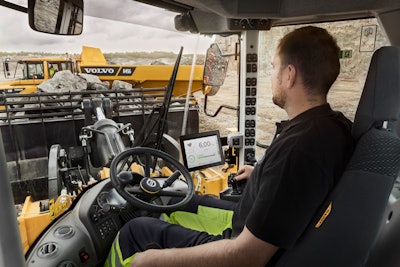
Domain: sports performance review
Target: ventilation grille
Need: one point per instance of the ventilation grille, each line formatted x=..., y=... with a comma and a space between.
x=47, y=250
x=67, y=264
x=64, y=232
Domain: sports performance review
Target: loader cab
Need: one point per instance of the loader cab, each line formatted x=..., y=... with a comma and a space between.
x=86, y=230
x=24, y=69
x=25, y=74
x=36, y=68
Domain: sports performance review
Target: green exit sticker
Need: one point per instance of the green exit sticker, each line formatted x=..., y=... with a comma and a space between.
x=345, y=53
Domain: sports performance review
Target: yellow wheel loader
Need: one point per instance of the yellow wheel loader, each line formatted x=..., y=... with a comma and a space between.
x=27, y=74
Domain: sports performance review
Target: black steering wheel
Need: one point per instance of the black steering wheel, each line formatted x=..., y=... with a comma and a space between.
x=141, y=189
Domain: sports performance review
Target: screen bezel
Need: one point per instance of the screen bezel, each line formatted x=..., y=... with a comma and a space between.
x=189, y=137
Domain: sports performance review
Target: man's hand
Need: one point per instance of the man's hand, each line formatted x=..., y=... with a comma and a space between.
x=244, y=172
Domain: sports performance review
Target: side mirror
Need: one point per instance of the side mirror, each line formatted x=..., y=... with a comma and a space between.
x=62, y=17
x=215, y=68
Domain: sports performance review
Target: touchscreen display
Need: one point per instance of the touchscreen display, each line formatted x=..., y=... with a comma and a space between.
x=202, y=150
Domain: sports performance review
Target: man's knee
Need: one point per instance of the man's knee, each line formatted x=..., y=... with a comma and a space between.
x=141, y=228
x=139, y=224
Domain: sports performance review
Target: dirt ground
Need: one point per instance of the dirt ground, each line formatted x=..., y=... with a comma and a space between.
x=343, y=96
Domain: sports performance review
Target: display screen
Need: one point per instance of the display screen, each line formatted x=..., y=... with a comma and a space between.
x=202, y=150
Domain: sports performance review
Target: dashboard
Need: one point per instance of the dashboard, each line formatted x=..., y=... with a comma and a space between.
x=83, y=236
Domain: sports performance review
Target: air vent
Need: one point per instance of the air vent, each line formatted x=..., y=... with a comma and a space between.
x=47, y=250
x=67, y=264
x=64, y=232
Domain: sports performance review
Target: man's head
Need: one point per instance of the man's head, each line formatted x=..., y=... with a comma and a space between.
x=314, y=56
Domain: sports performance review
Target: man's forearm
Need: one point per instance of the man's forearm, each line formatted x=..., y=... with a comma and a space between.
x=219, y=253
x=245, y=250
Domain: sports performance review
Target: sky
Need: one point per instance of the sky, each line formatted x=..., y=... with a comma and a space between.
x=112, y=26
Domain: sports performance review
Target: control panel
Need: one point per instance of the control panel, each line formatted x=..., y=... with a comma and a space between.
x=248, y=96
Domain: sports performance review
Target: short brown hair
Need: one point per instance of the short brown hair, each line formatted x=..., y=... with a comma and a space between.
x=315, y=54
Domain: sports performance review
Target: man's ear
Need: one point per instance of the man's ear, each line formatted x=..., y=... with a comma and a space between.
x=291, y=75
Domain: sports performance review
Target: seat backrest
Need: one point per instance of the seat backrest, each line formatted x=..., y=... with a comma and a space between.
x=346, y=226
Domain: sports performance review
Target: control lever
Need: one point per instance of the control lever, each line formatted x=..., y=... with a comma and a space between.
x=237, y=186
x=112, y=208
x=171, y=179
x=234, y=190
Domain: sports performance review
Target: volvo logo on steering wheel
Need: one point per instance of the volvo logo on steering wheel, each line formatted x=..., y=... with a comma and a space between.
x=150, y=185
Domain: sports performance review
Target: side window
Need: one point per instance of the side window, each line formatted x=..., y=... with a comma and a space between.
x=64, y=66
x=357, y=39
x=69, y=66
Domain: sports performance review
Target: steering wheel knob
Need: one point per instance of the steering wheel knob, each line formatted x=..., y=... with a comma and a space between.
x=125, y=177
x=150, y=185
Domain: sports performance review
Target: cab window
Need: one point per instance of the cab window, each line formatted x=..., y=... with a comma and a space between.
x=34, y=71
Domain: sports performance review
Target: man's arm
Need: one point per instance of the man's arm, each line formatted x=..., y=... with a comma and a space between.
x=245, y=250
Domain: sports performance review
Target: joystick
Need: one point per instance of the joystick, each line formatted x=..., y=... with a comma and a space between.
x=234, y=190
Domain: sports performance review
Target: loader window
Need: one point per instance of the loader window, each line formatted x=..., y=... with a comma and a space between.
x=53, y=68
x=59, y=66
x=68, y=66
x=34, y=71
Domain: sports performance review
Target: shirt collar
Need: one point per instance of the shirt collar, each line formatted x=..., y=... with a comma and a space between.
x=312, y=113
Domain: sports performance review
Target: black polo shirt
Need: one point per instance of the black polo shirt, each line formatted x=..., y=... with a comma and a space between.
x=292, y=180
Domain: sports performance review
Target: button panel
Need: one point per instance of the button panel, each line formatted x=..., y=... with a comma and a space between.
x=106, y=228
x=248, y=96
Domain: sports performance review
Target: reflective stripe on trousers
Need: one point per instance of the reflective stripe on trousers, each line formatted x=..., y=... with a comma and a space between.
x=115, y=259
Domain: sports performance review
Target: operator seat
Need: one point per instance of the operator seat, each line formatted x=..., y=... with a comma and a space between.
x=343, y=231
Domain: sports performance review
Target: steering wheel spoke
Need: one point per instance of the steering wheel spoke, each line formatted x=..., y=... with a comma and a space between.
x=162, y=193
x=147, y=165
x=172, y=193
x=134, y=189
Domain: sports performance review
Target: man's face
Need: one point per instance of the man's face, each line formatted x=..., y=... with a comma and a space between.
x=278, y=94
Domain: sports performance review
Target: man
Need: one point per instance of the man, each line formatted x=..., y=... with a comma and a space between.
x=285, y=189
x=52, y=71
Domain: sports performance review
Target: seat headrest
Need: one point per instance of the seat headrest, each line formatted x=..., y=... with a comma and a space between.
x=380, y=99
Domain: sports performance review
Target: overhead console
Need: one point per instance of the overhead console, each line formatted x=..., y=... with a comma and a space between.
x=230, y=16
x=249, y=24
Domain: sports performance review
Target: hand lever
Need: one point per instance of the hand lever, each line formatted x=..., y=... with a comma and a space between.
x=112, y=208
x=171, y=179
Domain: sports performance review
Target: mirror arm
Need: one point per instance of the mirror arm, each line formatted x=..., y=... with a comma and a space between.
x=219, y=108
x=13, y=6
